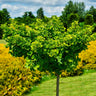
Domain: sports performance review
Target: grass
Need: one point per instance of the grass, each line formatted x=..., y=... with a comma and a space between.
x=2, y=41
x=84, y=85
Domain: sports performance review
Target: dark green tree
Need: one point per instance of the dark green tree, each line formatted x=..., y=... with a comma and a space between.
x=92, y=11
x=71, y=18
x=25, y=14
x=81, y=11
x=67, y=10
x=27, y=18
x=4, y=18
x=6, y=15
x=28, y=14
x=40, y=13
x=89, y=19
x=19, y=20
x=78, y=8
x=1, y=17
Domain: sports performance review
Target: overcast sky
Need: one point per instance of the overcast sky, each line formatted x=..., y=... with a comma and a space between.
x=50, y=7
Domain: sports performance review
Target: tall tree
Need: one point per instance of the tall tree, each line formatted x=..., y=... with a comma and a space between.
x=89, y=19
x=40, y=13
x=78, y=8
x=81, y=11
x=92, y=11
x=6, y=15
x=4, y=18
x=25, y=14
x=27, y=18
x=28, y=14
x=71, y=18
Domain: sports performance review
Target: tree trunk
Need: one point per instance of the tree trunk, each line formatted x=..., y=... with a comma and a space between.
x=57, y=87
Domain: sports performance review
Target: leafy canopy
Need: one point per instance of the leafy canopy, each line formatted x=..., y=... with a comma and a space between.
x=48, y=45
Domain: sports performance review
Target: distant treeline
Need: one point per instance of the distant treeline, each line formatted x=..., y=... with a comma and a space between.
x=71, y=12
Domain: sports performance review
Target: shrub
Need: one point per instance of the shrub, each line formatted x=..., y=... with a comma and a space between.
x=88, y=56
x=15, y=78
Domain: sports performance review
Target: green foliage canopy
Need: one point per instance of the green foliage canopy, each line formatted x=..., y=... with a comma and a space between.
x=48, y=45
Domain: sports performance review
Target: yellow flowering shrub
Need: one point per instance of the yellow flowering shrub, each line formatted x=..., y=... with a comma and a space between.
x=88, y=56
x=15, y=78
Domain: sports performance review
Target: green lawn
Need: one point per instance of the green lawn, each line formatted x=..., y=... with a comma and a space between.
x=2, y=41
x=84, y=85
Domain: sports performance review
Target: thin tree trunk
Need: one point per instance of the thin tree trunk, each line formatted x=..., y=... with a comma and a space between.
x=57, y=87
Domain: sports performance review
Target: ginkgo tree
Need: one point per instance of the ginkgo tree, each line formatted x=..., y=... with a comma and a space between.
x=48, y=46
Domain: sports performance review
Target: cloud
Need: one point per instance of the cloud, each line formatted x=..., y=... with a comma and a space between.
x=17, y=10
x=10, y=7
x=50, y=7
x=92, y=0
x=49, y=11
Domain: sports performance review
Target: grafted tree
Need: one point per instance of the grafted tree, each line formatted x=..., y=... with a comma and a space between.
x=48, y=45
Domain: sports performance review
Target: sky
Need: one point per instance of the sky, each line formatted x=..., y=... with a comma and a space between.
x=16, y=8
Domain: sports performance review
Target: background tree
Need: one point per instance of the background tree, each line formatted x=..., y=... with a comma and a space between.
x=67, y=10
x=27, y=18
x=89, y=19
x=71, y=18
x=6, y=15
x=76, y=8
x=45, y=19
x=28, y=14
x=1, y=17
x=4, y=18
x=40, y=13
x=19, y=20
x=25, y=14
x=92, y=11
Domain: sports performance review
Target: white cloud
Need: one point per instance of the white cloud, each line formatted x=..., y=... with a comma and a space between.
x=10, y=7
x=51, y=7
x=53, y=10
